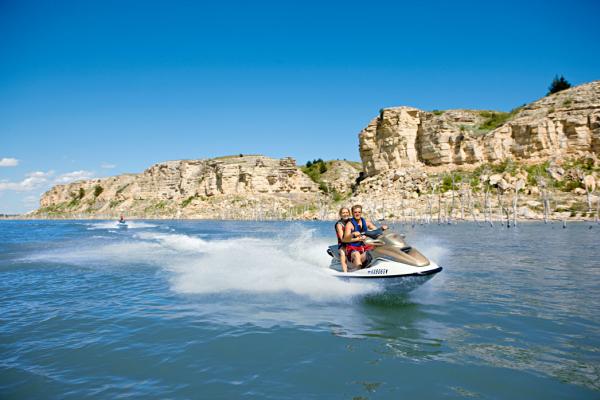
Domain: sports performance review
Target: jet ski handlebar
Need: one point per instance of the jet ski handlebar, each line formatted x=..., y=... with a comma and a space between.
x=374, y=234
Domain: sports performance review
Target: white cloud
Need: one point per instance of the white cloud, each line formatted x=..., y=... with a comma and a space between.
x=39, y=179
x=8, y=162
x=32, y=181
x=74, y=176
x=107, y=166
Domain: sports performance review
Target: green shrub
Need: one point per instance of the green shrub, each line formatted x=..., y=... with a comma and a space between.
x=568, y=185
x=73, y=203
x=337, y=196
x=447, y=181
x=474, y=182
x=537, y=171
x=494, y=119
x=314, y=169
x=438, y=112
x=114, y=203
x=187, y=201
x=98, y=190
x=119, y=190
x=161, y=205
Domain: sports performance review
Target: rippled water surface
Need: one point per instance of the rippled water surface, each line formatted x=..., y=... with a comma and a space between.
x=223, y=310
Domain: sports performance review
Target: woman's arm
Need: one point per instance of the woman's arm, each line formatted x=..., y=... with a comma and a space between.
x=339, y=230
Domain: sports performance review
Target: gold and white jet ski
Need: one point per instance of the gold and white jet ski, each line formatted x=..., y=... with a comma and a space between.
x=391, y=262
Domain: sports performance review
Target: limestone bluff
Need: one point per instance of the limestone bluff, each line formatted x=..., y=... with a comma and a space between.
x=225, y=187
x=406, y=156
x=565, y=124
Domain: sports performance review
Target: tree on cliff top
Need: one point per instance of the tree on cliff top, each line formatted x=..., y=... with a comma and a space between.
x=558, y=84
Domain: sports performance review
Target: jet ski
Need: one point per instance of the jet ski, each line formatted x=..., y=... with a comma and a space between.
x=122, y=224
x=391, y=262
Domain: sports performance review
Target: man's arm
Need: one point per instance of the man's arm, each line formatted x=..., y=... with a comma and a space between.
x=372, y=226
x=350, y=236
x=347, y=233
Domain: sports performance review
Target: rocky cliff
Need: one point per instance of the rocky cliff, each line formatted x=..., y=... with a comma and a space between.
x=192, y=188
x=539, y=160
x=565, y=124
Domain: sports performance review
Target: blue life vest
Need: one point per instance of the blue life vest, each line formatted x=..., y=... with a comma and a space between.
x=357, y=228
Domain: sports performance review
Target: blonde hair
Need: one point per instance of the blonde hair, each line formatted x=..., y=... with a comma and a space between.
x=342, y=209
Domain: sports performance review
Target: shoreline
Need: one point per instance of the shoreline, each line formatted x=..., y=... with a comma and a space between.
x=393, y=221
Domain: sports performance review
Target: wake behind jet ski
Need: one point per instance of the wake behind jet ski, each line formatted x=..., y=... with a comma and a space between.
x=390, y=260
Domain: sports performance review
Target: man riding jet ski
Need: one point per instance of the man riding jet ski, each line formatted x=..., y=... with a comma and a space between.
x=354, y=236
x=387, y=259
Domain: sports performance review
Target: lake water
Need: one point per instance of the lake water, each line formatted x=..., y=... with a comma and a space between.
x=227, y=310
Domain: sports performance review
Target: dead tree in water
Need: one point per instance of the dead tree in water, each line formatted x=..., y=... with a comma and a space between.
x=488, y=206
x=430, y=206
x=590, y=185
x=544, y=193
x=452, y=190
x=430, y=197
x=471, y=208
x=518, y=186
x=500, y=206
x=461, y=196
x=403, y=210
x=439, y=203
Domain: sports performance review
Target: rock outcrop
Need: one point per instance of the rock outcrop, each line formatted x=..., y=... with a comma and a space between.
x=538, y=160
x=565, y=124
x=341, y=176
x=200, y=188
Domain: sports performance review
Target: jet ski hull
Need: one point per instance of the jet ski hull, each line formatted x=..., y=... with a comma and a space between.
x=393, y=277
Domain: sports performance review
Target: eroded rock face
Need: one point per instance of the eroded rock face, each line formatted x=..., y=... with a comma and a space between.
x=173, y=183
x=341, y=176
x=563, y=124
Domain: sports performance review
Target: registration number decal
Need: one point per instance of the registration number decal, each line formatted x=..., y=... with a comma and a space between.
x=378, y=271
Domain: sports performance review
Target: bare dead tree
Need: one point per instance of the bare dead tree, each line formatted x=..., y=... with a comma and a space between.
x=518, y=186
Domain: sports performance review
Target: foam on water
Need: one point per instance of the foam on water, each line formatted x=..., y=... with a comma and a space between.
x=293, y=262
x=115, y=224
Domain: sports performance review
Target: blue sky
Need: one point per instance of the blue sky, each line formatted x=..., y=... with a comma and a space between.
x=98, y=88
